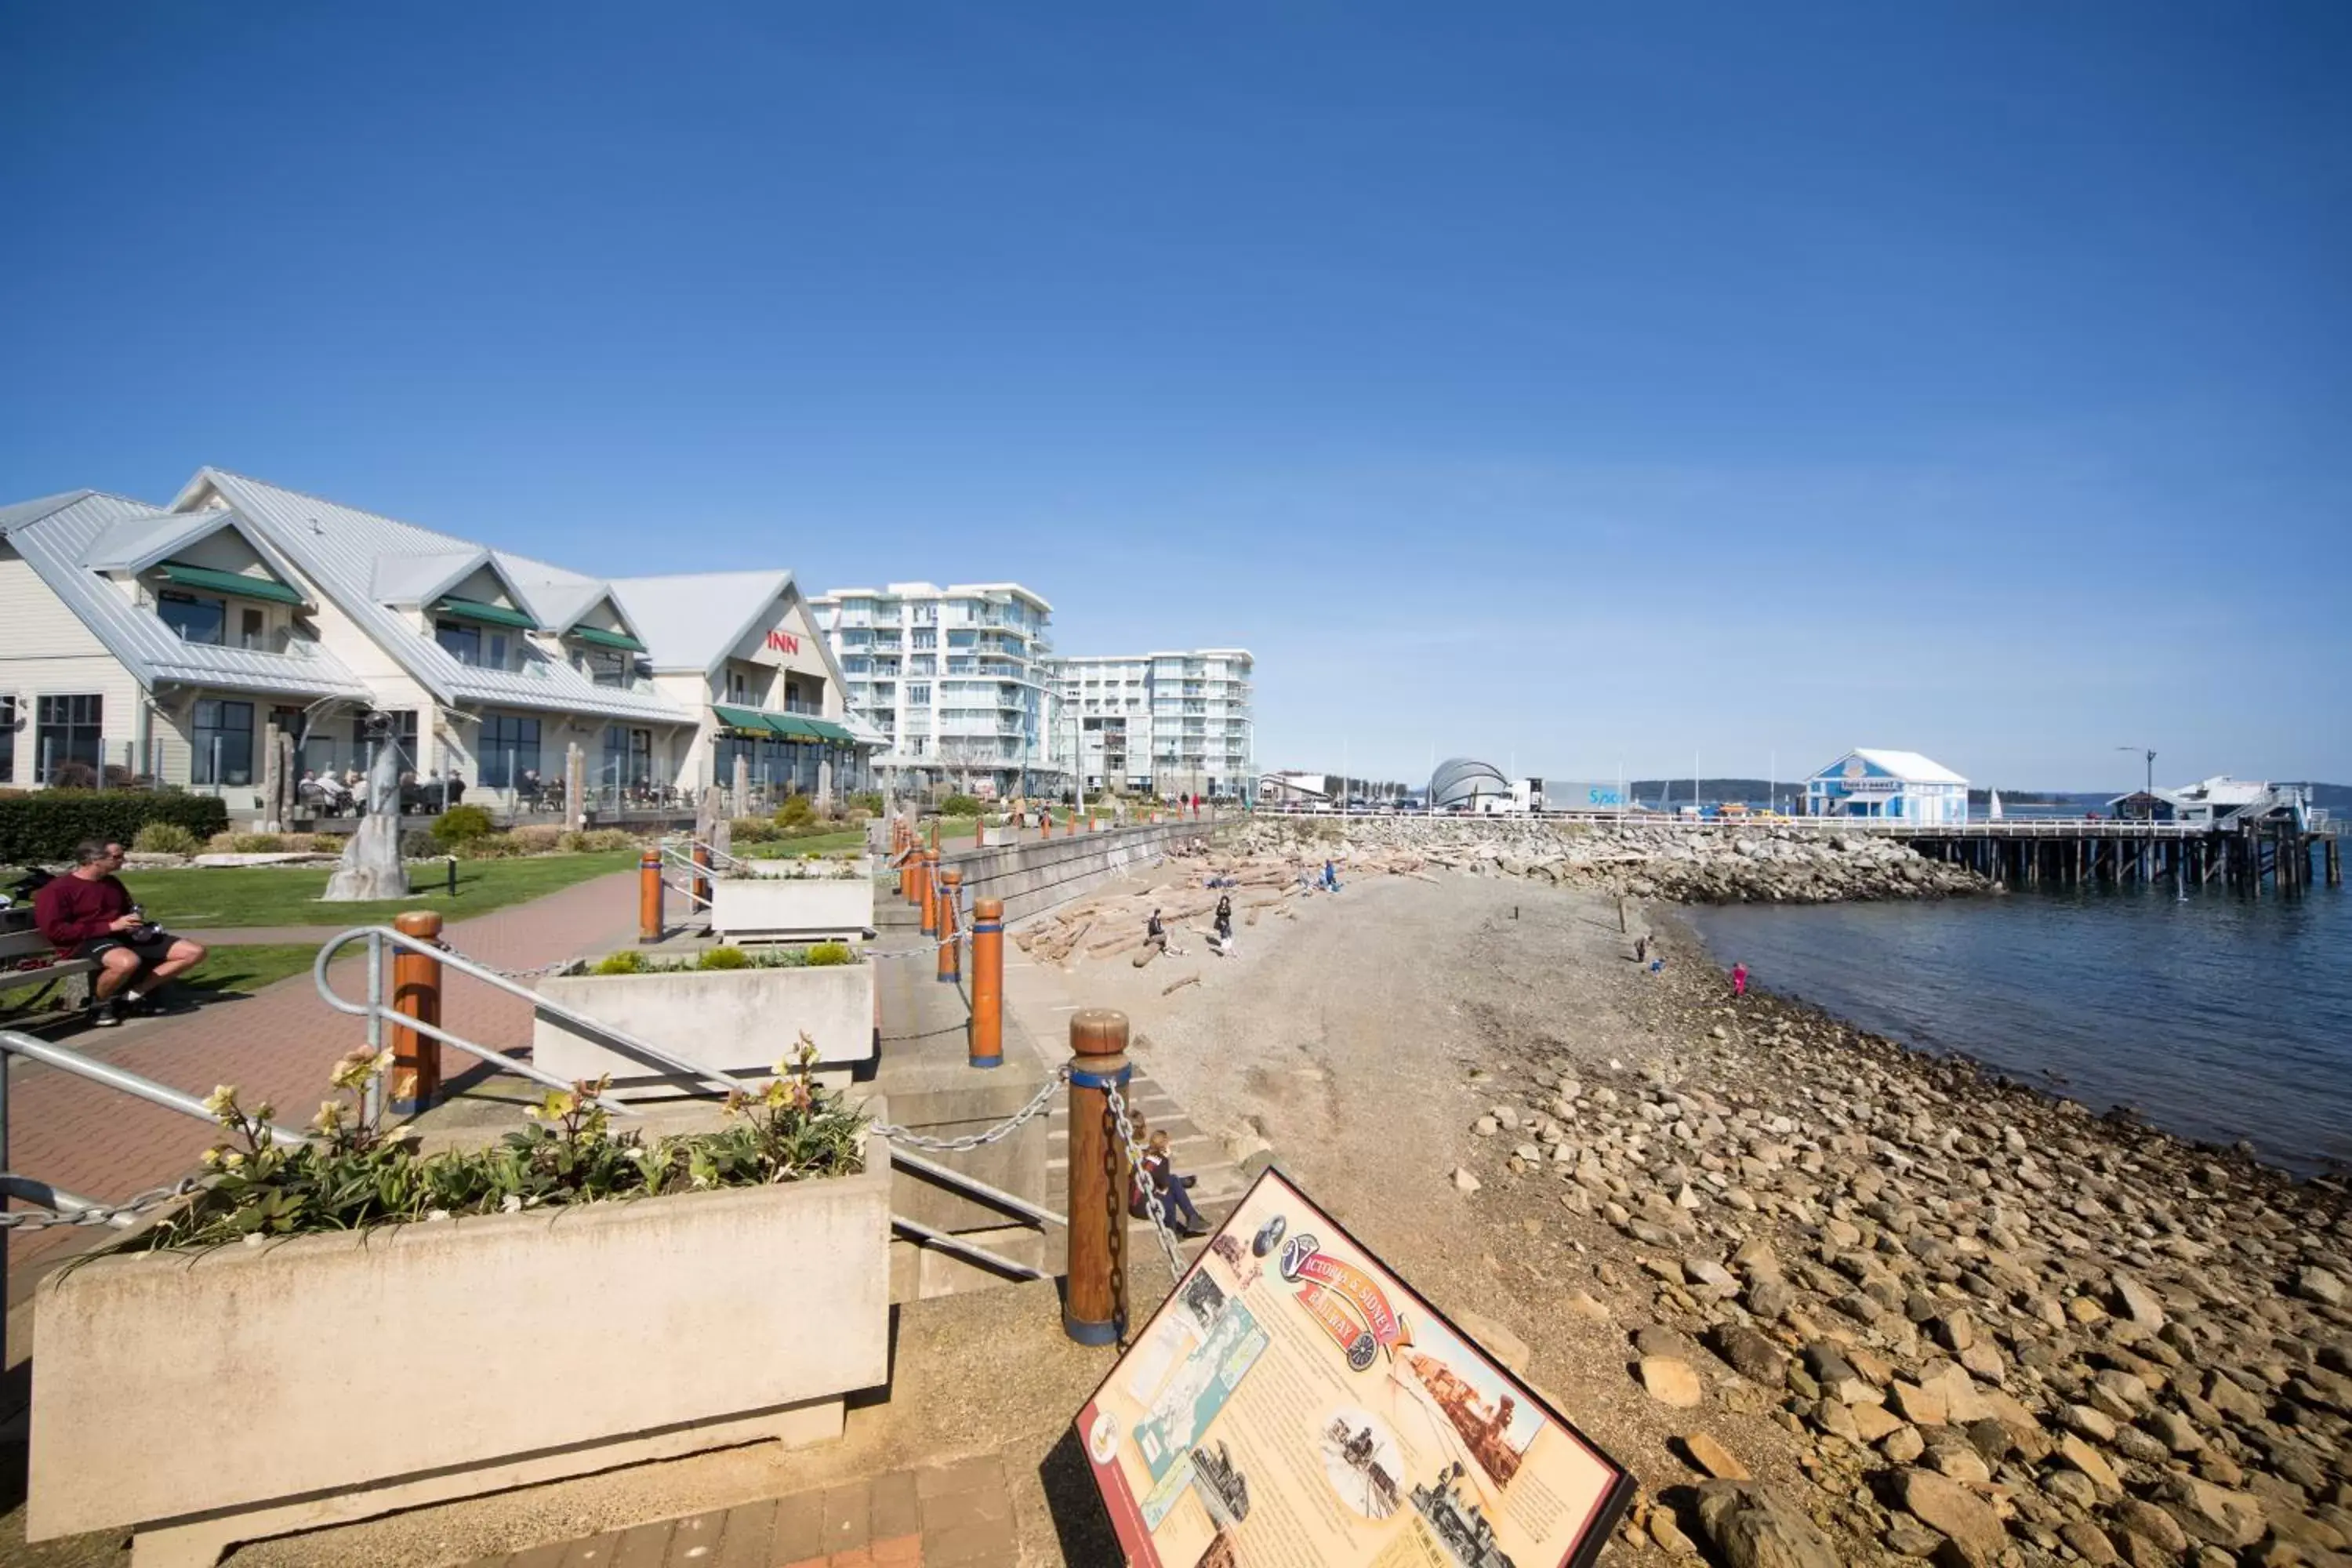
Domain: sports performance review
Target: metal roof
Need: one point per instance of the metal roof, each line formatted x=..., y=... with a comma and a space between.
x=1908, y=766
x=347, y=552
x=690, y=621
x=1460, y=779
x=54, y=543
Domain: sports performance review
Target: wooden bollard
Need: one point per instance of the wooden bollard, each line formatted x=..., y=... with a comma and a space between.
x=951, y=941
x=415, y=991
x=1094, y=1312
x=649, y=895
x=1045, y=822
x=701, y=876
x=987, y=1046
x=927, y=896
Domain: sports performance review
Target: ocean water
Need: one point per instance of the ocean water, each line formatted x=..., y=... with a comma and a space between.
x=2214, y=1018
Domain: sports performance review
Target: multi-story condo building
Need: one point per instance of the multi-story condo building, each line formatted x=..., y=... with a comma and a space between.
x=146, y=642
x=951, y=679
x=1173, y=724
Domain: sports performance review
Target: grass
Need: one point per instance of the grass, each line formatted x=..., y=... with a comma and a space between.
x=242, y=970
x=257, y=895
x=813, y=844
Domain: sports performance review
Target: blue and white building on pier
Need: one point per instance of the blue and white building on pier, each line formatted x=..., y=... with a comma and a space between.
x=1899, y=785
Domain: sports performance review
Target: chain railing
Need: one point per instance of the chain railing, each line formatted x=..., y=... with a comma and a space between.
x=1039, y=1103
x=1145, y=1184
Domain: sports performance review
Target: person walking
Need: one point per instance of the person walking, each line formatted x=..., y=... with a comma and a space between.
x=1225, y=917
x=88, y=913
x=1642, y=947
x=1738, y=981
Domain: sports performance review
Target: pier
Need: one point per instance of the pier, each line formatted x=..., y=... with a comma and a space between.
x=2287, y=852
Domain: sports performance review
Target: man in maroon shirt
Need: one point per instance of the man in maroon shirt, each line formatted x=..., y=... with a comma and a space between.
x=88, y=913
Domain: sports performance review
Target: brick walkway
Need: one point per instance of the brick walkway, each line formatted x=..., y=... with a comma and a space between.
x=277, y=1044
x=954, y=1516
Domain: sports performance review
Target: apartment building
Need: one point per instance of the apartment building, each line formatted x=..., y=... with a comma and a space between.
x=1168, y=724
x=951, y=679
x=159, y=643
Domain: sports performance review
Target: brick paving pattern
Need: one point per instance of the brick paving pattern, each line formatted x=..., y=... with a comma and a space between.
x=943, y=1515
x=277, y=1044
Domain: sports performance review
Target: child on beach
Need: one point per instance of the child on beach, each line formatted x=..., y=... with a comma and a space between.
x=1738, y=981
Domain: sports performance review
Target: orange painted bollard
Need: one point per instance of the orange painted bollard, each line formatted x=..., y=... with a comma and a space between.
x=987, y=1046
x=918, y=893
x=928, y=895
x=1094, y=1312
x=649, y=895
x=1045, y=822
x=951, y=917
x=701, y=878
x=416, y=992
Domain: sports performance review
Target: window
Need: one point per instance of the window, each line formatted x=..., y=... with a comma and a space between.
x=68, y=730
x=222, y=741
x=510, y=749
x=253, y=628
x=197, y=620
x=403, y=737
x=923, y=637
x=470, y=644
x=8, y=740
x=919, y=694
x=628, y=756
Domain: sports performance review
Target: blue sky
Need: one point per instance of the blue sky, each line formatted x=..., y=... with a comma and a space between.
x=1578, y=386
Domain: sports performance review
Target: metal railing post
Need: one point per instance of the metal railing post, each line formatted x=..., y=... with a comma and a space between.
x=1094, y=1312
x=987, y=1046
x=416, y=992
x=6, y=1061
x=951, y=970
x=373, y=1104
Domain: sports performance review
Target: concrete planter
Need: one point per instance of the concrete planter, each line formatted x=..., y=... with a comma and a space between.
x=739, y=1021
x=207, y=1398
x=778, y=905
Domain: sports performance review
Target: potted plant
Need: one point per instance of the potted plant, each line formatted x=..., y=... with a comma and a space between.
x=795, y=899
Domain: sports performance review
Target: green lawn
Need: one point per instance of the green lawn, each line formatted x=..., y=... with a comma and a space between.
x=255, y=896
x=814, y=843
x=249, y=969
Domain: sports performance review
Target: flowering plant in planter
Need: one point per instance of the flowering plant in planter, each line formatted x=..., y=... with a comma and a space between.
x=351, y=1175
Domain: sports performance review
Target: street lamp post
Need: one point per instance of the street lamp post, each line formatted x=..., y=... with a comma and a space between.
x=2149, y=754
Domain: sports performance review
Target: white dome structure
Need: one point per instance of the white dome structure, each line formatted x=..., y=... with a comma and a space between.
x=1461, y=781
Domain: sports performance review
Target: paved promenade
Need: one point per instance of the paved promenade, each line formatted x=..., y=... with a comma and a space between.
x=278, y=1044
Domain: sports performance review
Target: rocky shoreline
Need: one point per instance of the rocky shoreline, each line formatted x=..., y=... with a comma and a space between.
x=1741, y=863
x=2004, y=1330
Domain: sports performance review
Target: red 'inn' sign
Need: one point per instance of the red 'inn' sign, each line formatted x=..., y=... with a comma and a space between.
x=783, y=642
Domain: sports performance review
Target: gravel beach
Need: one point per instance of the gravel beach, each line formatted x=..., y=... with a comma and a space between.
x=1832, y=1300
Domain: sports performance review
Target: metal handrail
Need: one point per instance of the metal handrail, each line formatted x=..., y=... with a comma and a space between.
x=376, y=1009
x=114, y=1078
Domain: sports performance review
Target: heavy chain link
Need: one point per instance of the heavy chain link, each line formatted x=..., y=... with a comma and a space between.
x=1150, y=1188
x=1038, y=1105
x=100, y=1214
x=540, y=972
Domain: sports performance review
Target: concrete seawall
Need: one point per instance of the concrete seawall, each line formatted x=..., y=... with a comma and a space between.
x=1034, y=877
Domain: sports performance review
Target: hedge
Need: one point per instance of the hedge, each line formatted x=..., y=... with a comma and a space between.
x=47, y=825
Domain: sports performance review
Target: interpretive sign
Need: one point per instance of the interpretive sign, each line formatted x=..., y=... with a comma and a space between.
x=1293, y=1405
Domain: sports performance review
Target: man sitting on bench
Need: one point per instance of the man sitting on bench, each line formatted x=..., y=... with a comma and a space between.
x=88, y=913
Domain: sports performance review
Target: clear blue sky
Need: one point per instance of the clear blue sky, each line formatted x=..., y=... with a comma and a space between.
x=1576, y=387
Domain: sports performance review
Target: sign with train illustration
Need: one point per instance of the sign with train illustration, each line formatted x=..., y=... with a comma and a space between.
x=1295, y=1404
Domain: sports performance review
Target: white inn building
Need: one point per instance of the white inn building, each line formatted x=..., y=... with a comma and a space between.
x=951, y=680
x=139, y=641
x=1169, y=723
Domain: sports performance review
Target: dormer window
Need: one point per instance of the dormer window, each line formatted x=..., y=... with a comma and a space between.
x=480, y=646
x=193, y=617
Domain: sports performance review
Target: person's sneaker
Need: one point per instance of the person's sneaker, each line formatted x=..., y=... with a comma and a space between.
x=105, y=1015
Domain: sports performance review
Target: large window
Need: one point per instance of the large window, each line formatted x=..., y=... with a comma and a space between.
x=69, y=730
x=222, y=738
x=510, y=749
x=470, y=644
x=195, y=619
x=8, y=740
x=628, y=756
x=403, y=737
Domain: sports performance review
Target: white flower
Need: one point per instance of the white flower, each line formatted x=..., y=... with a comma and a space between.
x=510, y=1204
x=436, y=1214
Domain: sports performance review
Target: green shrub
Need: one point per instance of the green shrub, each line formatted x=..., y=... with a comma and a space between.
x=538, y=839
x=488, y=846
x=626, y=962
x=724, y=958
x=797, y=812
x=165, y=838
x=460, y=823
x=256, y=843
x=754, y=830
x=417, y=845
x=45, y=825
x=596, y=841
x=959, y=806
x=830, y=955
x=868, y=801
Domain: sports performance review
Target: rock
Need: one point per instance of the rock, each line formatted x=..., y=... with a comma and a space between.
x=1750, y=1354
x=1921, y=1407
x=1713, y=1457
x=1671, y=1381
x=2071, y=1487
x=2096, y=1425
x=2137, y=1302
x=2174, y=1430
x=1903, y=1444
x=1581, y=1304
x=1496, y=1340
x=1751, y=1528
x=2313, y=1283
x=1770, y=1296
x=2089, y=1541
x=2087, y=1460
x=2214, y=1514
x=1906, y=1537
x=2135, y=1516
x=1669, y=1535
x=1875, y=1421
x=1485, y=1127
x=1944, y=1504
x=1463, y=1182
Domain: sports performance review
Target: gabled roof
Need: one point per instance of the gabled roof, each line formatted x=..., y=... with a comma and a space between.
x=55, y=539
x=343, y=549
x=1908, y=766
x=564, y=604
x=409, y=580
x=137, y=543
x=688, y=622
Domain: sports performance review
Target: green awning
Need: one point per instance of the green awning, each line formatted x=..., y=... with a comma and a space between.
x=740, y=718
x=269, y=588
x=597, y=637
x=488, y=614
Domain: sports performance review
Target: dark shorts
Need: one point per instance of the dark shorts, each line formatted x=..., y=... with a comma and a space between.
x=150, y=952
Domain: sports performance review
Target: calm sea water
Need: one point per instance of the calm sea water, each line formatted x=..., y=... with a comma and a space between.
x=2216, y=1018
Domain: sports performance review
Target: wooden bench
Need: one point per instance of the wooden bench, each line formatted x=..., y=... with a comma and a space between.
x=30, y=959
